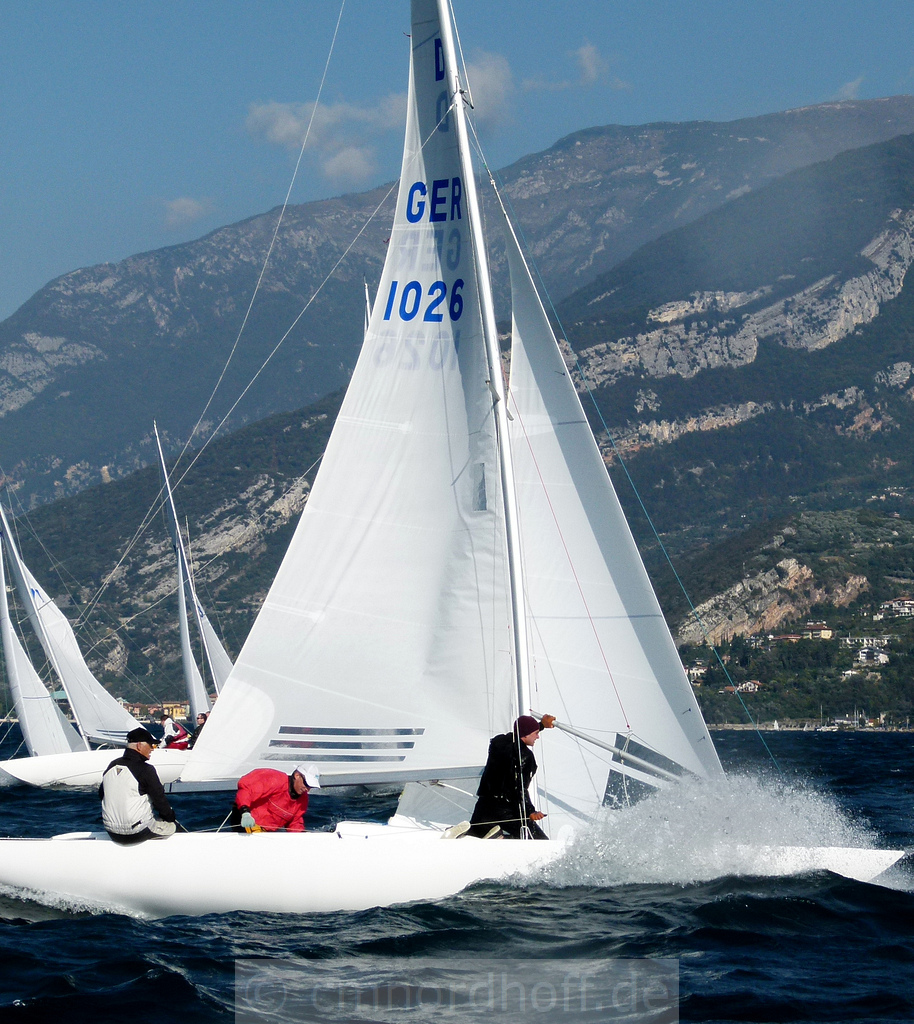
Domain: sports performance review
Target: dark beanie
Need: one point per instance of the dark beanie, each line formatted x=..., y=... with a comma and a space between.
x=525, y=725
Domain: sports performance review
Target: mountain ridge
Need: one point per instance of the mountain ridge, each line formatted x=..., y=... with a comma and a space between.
x=90, y=360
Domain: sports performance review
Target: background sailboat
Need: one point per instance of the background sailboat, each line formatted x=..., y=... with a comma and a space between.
x=45, y=729
x=60, y=753
x=216, y=657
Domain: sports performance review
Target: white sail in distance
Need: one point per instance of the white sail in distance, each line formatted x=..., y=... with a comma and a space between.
x=383, y=649
x=198, y=699
x=99, y=716
x=45, y=730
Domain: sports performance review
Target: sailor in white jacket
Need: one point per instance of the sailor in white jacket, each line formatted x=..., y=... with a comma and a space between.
x=134, y=805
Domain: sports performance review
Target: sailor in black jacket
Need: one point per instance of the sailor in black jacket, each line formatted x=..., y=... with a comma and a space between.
x=503, y=801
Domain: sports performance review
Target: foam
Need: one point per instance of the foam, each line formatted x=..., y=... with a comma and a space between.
x=698, y=831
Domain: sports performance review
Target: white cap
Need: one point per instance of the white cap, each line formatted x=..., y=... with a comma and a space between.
x=310, y=774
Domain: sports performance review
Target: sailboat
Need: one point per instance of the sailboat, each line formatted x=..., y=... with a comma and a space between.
x=60, y=753
x=462, y=559
x=216, y=657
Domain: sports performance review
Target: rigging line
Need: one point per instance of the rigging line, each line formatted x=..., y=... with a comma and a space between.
x=154, y=511
x=548, y=498
x=592, y=395
x=272, y=244
x=291, y=328
x=158, y=503
x=307, y=305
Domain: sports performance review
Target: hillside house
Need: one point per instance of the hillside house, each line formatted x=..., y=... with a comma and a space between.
x=818, y=631
x=749, y=686
x=872, y=656
x=901, y=607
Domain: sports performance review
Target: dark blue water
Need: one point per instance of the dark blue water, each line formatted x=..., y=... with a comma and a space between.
x=811, y=948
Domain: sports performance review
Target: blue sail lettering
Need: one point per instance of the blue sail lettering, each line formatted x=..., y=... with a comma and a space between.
x=415, y=209
x=456, y=195
x=438, y=199
x=439, y=61
x=440, y=206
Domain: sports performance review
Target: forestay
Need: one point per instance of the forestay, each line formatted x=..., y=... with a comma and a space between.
x=382, y=650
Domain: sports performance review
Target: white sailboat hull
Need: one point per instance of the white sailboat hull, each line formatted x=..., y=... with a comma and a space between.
x=82, y=769
x=352, y=869
x=268, y=872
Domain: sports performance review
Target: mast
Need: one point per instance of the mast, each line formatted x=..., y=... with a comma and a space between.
x=496, y=381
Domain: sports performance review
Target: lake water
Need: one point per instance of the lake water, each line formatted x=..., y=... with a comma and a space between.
x=811, y=948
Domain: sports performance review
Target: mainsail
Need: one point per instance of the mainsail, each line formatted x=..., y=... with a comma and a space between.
x=383, y=649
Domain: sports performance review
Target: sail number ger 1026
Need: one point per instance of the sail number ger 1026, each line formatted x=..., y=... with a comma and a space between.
x=413, y=298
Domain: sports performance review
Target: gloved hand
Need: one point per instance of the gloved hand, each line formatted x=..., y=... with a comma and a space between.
x=247, y=820
x=548, y=722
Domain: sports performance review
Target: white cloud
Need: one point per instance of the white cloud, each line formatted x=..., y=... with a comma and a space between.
x=183, y=211
x=850, y=90
x=592, y=68
x=352, y=163
x=492, y=88
x=341, y=135
x=590, y=64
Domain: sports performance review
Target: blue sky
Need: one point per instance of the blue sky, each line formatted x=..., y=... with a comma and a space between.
x=128, y=126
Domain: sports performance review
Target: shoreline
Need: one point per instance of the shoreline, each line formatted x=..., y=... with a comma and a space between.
x=794, y=727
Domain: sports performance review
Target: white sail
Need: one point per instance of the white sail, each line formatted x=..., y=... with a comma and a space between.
x=99, y=716
x=198, y=699
x=197, y=696
x=603, y=657
x=217, y=657
x=44, y=728
x=383, y=649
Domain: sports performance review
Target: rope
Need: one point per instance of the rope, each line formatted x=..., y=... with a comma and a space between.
x=272, y=244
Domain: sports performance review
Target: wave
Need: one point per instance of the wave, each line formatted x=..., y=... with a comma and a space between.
x=697, y=831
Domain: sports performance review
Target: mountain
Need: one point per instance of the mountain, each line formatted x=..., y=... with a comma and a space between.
x=763, y=356
x=92, y=358
x=106, y=559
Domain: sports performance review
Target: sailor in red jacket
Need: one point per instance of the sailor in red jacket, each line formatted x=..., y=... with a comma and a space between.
x=269, y=800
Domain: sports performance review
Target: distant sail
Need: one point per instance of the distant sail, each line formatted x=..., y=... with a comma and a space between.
x=44, y=728
x=99, y=716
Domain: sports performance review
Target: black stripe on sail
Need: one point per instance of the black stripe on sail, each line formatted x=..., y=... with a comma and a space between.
x=362, y=758
x=329, y=745
x=622, y=790
x=636, y=749
x=312, y=730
